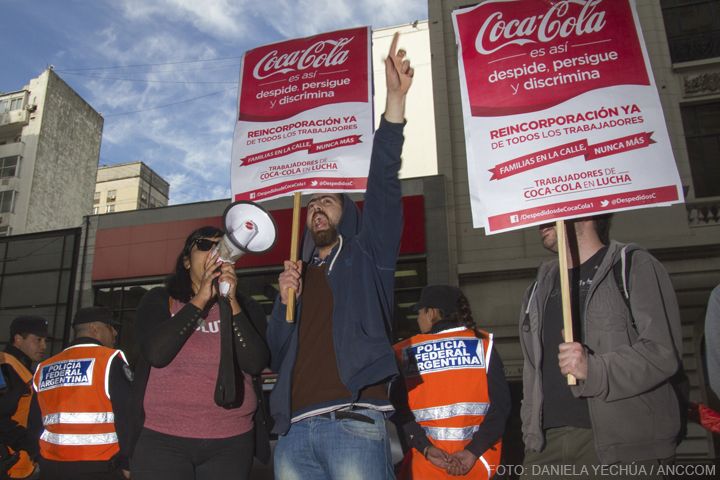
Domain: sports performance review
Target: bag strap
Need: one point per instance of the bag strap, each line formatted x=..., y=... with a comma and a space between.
x=679, y=381
x=526, y=320
x=621, y=272
x=228, y=390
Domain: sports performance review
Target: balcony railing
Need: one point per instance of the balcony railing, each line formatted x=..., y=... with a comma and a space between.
x=703, y=212
x=19, y=117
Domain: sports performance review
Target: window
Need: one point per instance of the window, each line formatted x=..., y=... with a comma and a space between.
x=111, y=194
x=96, y=210
x=8, y=166
x=702, y=135
x=124, y=300
x=96, y=198
x=110, y=209
x=37, y=279
x=9, y=104
x=5, y=231
x=7, y=201
x=693, y=29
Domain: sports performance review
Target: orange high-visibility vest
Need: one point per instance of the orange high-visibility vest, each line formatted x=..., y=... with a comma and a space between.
x=24, y=466
x=73, y=393
x=446, y=378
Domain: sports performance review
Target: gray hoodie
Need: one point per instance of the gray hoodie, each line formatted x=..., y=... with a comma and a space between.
x=633, y=408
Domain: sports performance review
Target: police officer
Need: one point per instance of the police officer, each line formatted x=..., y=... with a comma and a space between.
x=19, y=426
x=83, y=393
x=452, y=398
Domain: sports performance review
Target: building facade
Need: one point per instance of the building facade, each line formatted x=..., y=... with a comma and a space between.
x=49, y=149
x=129, y=186
x=419, y=150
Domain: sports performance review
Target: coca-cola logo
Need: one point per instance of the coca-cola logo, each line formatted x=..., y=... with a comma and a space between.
x=324, y=53
x=563, y=19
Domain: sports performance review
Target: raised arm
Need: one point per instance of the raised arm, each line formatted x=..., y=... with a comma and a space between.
x=382, y=213
x=398, y=78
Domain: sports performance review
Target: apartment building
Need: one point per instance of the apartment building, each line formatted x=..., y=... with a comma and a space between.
x=128, y=186
x=49, y=150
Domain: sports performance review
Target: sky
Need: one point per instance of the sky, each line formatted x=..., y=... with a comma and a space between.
x=163, y=73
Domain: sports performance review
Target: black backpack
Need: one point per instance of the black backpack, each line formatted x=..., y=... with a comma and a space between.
x=679, y=381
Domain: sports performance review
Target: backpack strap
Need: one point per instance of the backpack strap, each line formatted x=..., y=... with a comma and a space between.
x=621, y=272
x=679, y=381
x=526, y=319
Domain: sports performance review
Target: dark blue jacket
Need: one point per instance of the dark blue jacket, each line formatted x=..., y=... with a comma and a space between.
x=362, y=279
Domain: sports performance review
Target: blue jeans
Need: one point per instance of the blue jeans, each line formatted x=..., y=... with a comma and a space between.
x=320, y=448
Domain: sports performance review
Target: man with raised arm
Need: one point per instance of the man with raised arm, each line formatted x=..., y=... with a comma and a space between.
x=334, y=361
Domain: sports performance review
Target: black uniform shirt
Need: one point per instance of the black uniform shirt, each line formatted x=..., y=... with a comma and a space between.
x=12, y=434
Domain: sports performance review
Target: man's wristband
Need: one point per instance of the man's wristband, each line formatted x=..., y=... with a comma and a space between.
x=425, y=451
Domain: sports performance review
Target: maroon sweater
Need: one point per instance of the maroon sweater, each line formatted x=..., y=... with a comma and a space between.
x=315, y=377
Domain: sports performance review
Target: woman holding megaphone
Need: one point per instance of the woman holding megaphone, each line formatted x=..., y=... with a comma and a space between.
x=198, y=401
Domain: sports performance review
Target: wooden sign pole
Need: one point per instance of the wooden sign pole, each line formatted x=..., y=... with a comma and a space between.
x=294, y=240
x=565, y=287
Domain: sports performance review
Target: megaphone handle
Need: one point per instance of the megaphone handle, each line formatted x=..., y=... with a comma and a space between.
x=294, y=240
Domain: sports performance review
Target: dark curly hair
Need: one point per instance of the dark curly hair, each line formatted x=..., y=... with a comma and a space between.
x=178, y=283
x=463, y=314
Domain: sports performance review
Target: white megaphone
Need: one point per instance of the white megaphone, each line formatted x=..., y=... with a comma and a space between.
x=249, y=228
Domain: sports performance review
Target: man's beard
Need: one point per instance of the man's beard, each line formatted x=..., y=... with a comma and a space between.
x=325, y=238
x=550, y=244
x=549, y=241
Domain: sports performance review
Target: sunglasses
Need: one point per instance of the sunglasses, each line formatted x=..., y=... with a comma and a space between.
x=204, y=244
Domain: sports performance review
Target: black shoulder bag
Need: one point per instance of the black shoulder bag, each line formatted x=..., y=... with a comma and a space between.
x=229, y=388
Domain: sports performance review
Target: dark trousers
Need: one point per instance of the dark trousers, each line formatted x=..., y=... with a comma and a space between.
x=158, y=456
x=86, y=476
x=570, y=453
x=563, y=446
x=67, y=473
x=52, y=470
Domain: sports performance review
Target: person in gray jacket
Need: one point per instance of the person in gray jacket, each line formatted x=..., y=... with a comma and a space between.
x=712, y=340
x=623, y=408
